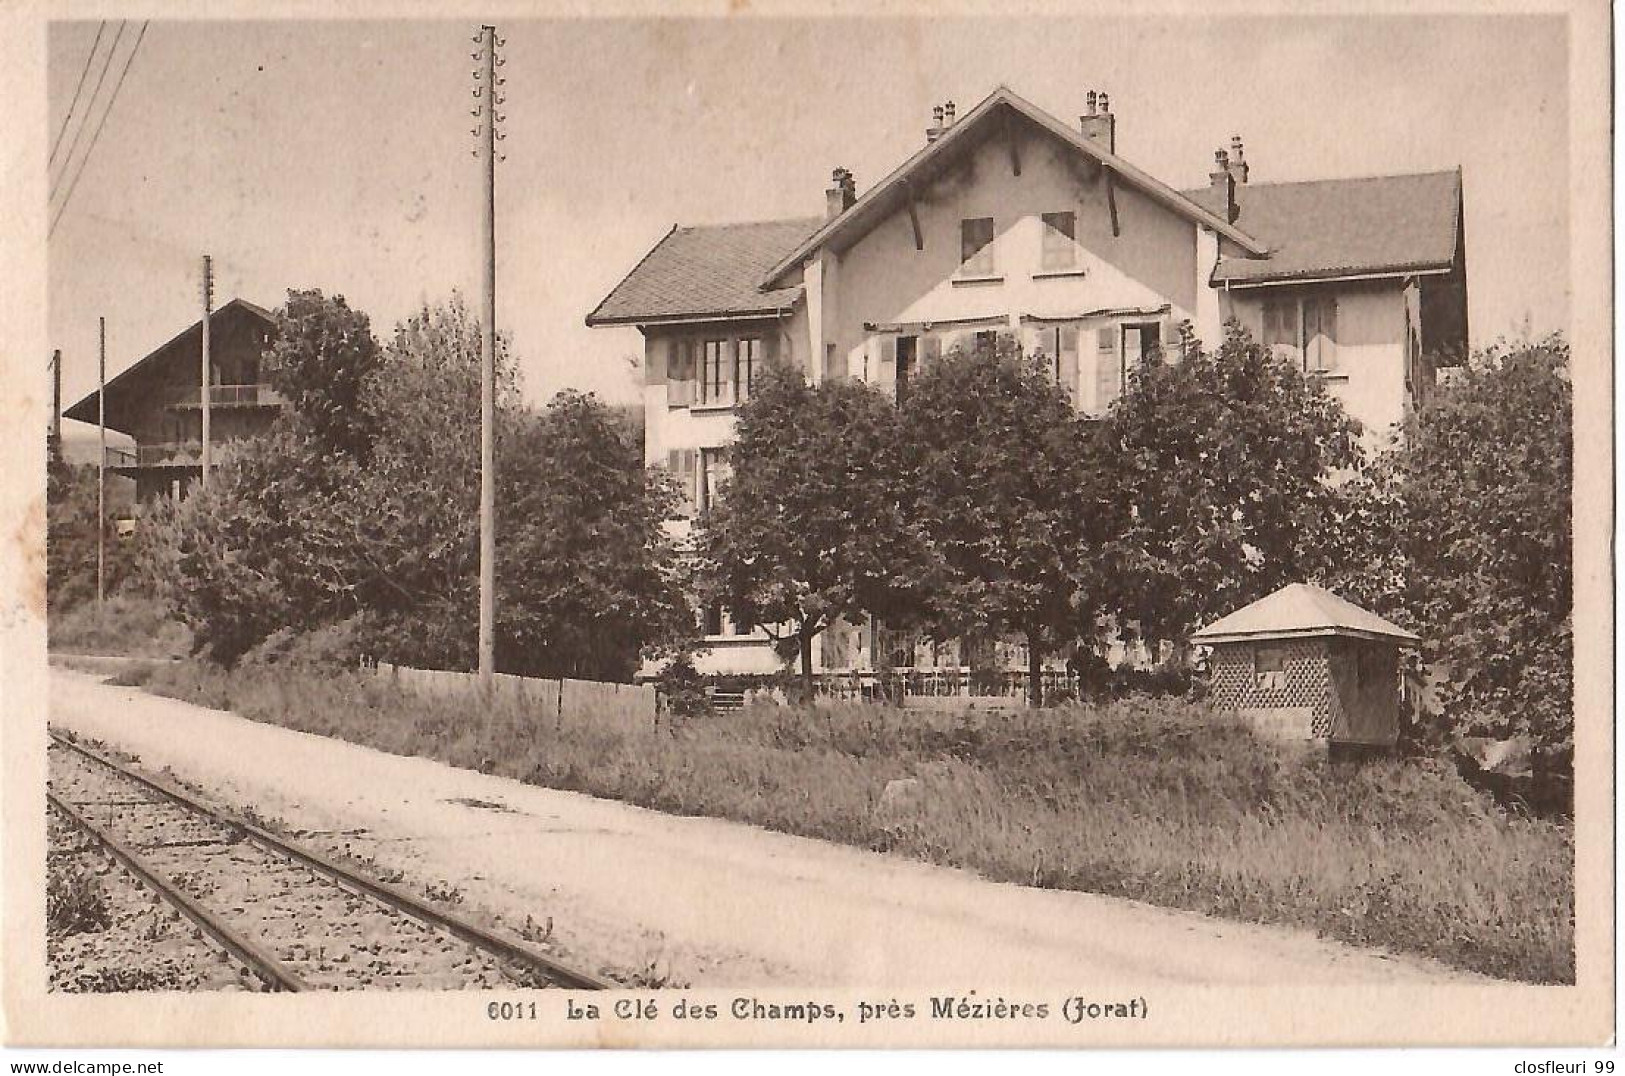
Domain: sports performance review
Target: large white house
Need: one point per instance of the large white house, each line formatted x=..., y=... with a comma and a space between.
x=1009, y=220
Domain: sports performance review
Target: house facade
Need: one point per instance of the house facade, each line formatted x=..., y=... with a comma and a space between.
x=158, y=401
x=1008, y=220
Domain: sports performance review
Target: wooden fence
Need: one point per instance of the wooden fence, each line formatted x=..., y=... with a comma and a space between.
x=628, y=707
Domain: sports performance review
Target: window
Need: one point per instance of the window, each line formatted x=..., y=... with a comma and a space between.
x=750, y=349
x=987, y=340
x=681, y=462
x=1281, y=328
x=907, y=363
x=714, y=473
x=714, y=372
x=717, y=621
x=1320, y=334
x=1059, y=251
x=976, y=246
x=1269, y=667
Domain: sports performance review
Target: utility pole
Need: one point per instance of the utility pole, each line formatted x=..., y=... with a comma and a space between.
x=203, y=392
x=101, y=465
x=485, y=92
x=53, y=446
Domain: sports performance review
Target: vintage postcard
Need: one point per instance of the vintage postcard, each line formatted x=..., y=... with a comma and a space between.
x=1065, y=525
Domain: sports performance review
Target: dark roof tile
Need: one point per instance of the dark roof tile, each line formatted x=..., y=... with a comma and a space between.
x=706, y=270
x=1344, y=227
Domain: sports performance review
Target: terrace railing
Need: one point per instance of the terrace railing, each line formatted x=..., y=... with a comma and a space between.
x=230, y=396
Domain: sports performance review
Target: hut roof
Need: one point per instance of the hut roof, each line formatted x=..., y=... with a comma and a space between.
x=1297, y=611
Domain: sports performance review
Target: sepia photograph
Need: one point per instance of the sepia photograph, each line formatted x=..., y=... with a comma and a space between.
x=804, y=528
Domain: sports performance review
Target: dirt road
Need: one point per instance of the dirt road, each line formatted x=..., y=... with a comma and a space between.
x=699, y=901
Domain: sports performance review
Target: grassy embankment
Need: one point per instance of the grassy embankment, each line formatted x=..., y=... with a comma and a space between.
x=126, y=626
x=1150, y=799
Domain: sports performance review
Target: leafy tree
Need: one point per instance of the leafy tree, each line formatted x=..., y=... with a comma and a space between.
x=1468, y=541
x=1228, y=464
x=70, y=538
x=587, y=575
x=814, y=524
x=322, y=355
x=260, y=549
x=1013, y=500
x=293, y=535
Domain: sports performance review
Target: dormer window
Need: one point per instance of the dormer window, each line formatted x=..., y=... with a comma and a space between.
x=976, y=246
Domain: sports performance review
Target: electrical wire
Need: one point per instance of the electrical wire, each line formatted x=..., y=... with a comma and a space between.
x=129, y=62
x=78, y=132
x=77, y=90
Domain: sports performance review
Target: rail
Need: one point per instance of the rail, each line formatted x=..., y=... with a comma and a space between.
x=402, y=901
x=276, y=974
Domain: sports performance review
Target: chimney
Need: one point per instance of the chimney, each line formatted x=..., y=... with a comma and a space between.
x=933, y=132
x=1097, y=123
x=948, y=115
x=1238, y=163
x=843, y=191
x=1224, y=183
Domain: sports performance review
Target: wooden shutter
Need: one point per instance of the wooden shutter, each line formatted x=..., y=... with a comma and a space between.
x=688, y=478
x=930, y=350
x=1108, y=367
x=680, y=374
x=1067, y=361
x=1170, y=340
x=886, y=372
x=1328, y=329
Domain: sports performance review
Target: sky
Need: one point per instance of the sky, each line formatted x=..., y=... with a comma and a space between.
x=337, y=155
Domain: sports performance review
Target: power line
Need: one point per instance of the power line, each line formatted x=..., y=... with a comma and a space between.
x=76, y=91
x=78, y=132
x=128, y=63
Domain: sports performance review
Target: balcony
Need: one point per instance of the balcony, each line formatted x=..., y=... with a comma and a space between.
x=229, y=396
x=160, y=454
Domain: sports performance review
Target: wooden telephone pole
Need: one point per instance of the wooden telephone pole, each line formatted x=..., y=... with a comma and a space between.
x=203, y=391
x=54, y=443
x=101, y=464
x=485, y=92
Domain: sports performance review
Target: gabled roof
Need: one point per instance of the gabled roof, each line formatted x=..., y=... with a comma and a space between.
x=147, y=367
x=706, y=271
x=1296, y=611
x=1345, y=227
x=891, y=193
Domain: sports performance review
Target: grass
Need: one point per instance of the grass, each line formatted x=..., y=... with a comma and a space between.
x=1155, y=800
x=125, y=625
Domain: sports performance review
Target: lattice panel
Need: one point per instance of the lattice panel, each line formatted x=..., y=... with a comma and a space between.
x=1305, y=681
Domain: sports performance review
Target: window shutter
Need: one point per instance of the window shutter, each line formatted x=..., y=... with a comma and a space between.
x=930, y=350
x=1328, y=329
x=1170, y=339
x=680, y=378
x=1067, y=368
x=1108, y=368
x=770, y=350
x=688, y=478
x=886, y=374
x=730, y=369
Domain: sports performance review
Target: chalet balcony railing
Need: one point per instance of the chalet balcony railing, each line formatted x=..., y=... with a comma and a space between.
x=160, y=454
x=230, y=396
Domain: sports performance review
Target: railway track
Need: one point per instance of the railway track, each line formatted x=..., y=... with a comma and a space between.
x=295, y=918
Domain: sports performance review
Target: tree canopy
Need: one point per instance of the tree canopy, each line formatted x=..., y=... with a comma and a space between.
x=1014, y=501
x=815, y=522
x=1228, y=463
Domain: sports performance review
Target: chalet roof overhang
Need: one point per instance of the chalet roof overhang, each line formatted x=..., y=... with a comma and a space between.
x=134, y=378
x=995, y=116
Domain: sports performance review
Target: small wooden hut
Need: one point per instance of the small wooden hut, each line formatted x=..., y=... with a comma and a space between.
x=1303, y=663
